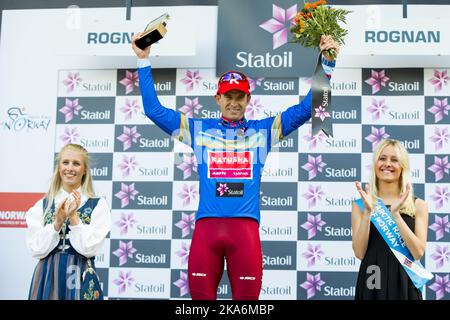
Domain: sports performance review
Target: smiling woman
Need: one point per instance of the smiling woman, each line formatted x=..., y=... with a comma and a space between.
x=66, y=230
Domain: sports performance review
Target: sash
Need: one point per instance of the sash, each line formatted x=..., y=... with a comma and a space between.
x=382, y=219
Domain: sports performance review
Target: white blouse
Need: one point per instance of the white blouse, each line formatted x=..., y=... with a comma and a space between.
x=86, y=239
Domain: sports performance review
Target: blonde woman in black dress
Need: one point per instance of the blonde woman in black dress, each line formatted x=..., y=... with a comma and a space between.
x=390, y=181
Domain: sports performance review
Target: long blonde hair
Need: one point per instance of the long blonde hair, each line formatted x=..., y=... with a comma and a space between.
x=408, y=206
x=86, y=181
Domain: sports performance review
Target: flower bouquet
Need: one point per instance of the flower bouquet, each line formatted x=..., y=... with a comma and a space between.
x=317, y=19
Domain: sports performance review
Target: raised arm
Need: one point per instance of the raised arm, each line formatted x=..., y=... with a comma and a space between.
x=171, y=121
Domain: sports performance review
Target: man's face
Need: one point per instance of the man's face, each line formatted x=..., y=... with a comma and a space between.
x=233, y=104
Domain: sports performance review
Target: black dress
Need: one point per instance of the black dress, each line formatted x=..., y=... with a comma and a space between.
x=395, y=283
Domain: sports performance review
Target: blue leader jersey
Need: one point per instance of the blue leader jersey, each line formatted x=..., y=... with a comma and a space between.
x=230, y=156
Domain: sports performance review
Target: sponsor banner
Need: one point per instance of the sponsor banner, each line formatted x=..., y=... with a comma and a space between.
x=438, y=226
x=435, y=82
x=141, y=138
x=437, y=168
x=128, y=82
x=345, y=82
x=92, y=110
x=278, y=196
x=416, y=161
x=392, y=82
x=86, y=135
x=180, y=253
x=125, y=283
x=186, y=195
x=346, y=109
x=140, y=253
x=412, y=139
x=86, y=83
x=380, y=31
x=143, y=166
x=141, y=224
x=13, y=208
x=142, y=195
x=278, y=226
x=102, y=259
x=274, y=86
x=269, y=51
x=329, y=167
x=201, y=107
x=437, y=196
x=399, y=110
x=101, y=166
x=281, y=167
x=436, y=111
x=437, y=139
x=436, y=255
x=180, y=286
x=326, y=256
x=279, y=255
x=325, y=196
x=328, y=226
x=130, y=111
x=347, y=138
x=196, y=82
x=183, y=224
x=278, y=285
x=326, y=285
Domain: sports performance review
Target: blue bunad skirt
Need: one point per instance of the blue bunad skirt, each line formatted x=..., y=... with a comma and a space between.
x=66, y=274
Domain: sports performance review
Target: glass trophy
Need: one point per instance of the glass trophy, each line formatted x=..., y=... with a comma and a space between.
x=154, y=32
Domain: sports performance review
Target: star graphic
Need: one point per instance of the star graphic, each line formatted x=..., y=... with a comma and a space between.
x=191, y=79
x=124, y=251
x=440, y=226
x=440, y=138
x=440, y=166
x=377, y=80
x=127, y=165
x=190, y=107
x=439, y=109
x=70, y=109
x=439, y=79
x=188, y=165
x=321, y=113
x=376, y=136
x=313, y=195
x=126, y=193
x=312, y=224
x=312, y=283
x=441, y=255
x=253, y=109
x=377, y=107
x=123, y=281
x=131, y=79
x=312, y=254
x=277, y=25
x=188, y=193
x=126, y=221
x=73, y=80
x=440, y=196
x=183, y=284
x=183, y=253
x=314, y=165
x=440, y=285
x=186, y=223
x=70, y=135
x=128, y=136
x=131, y=107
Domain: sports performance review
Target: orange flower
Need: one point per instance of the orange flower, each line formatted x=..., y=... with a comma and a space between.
x=307, y=6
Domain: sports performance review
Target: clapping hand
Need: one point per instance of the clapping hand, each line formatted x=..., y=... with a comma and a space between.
x=396, y=205
x=365, y=196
